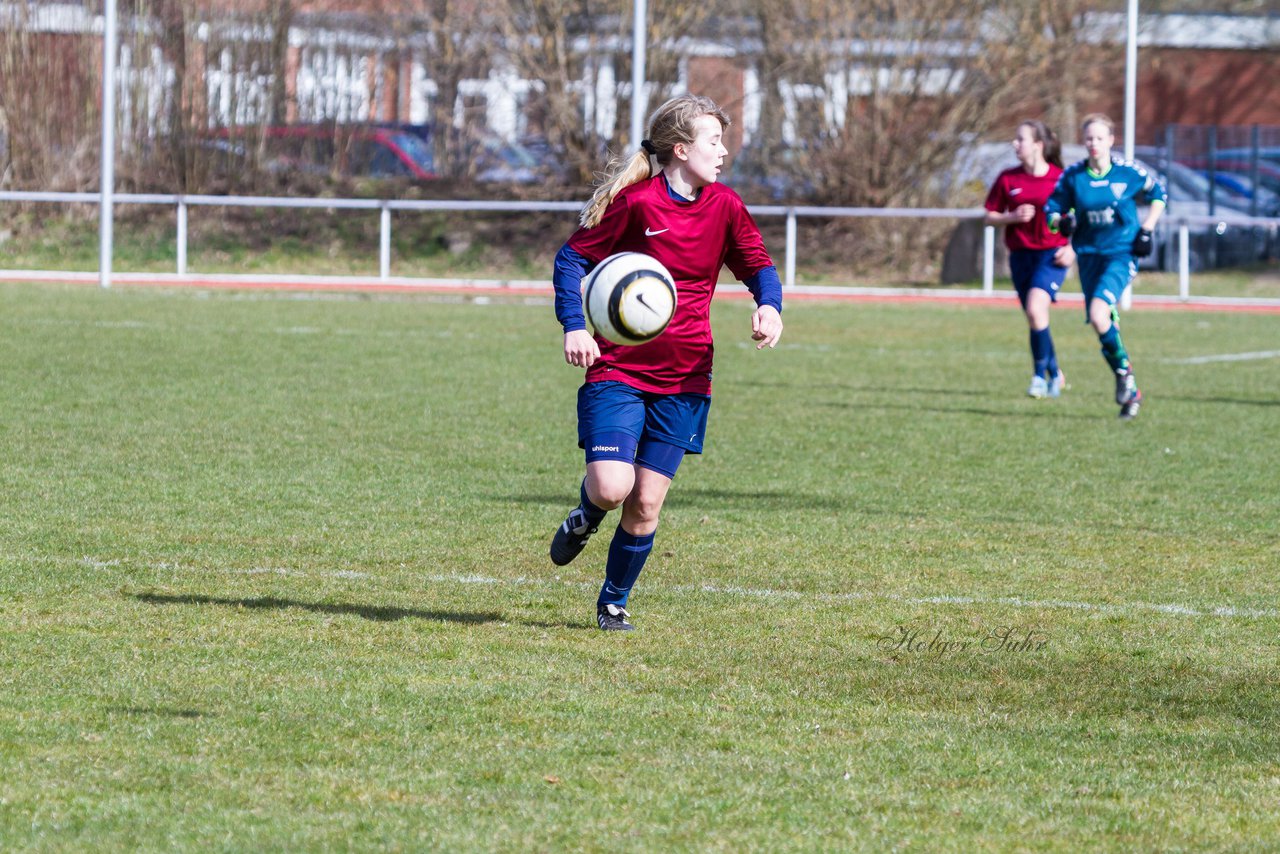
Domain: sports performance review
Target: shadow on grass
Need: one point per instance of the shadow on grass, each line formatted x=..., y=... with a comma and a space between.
x=1043, y=411
x=708, y=499
x=962, y=392
x=873, y=389
x=379, y=613
x=748, y=499
x=1229, y=401
x=161, y=711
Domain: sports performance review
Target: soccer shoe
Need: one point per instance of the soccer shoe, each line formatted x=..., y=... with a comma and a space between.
x=1126, y=386
x=1057, y=384
x=1129, y=411
x=1039, y=387
x=571, y=537
x=613, y=619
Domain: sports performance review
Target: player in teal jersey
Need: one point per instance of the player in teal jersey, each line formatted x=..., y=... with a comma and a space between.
x=1096, y=204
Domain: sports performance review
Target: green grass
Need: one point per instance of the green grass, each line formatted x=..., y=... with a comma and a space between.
x=273, y=577
x=1262, y=281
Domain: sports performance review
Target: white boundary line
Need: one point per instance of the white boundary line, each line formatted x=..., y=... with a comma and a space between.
x=1223, y=357
x=1008, y=601
x=1170, y=608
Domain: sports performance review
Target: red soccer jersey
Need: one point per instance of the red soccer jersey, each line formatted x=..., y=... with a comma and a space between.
x=693, y=240
x=1016, y=187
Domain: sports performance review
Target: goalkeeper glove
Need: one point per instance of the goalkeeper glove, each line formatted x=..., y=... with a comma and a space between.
x=1142, y=244
x=1067, y=224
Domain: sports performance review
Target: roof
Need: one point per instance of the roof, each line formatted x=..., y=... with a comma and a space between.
x=1233, y=32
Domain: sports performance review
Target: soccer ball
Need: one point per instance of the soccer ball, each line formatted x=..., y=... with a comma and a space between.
x=629, y=298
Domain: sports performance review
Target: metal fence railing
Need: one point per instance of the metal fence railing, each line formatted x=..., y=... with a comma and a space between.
x=1175, y=224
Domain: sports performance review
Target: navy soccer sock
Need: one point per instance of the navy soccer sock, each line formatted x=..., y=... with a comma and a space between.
x=1113, y=349
x=593, y=513
x=1052, y=370
x=1041, y=351
x=627, y=555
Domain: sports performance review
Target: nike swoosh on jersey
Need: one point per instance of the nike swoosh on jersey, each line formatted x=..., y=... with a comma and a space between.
x=1015, y=191
x=649, y=232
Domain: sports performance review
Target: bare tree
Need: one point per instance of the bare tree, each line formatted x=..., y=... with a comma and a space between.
x=873, y=102
x=580, y=53
x=279, y=15
x=47, y=98
x=161, y=134
x=544, y=40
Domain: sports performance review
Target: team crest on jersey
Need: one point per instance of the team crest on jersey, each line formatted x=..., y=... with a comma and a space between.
x=1117, y=190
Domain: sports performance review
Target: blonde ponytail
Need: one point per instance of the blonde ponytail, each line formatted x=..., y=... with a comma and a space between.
x=671, y=124
x=619, y=175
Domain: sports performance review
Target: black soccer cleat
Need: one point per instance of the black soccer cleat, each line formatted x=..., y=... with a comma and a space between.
x=1129, y=411
x=613, y=619
x=571, y=537
x=1126, y=386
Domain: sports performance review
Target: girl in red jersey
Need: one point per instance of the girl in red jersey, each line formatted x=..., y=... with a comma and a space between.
x=643, y=408
x=1038, y=258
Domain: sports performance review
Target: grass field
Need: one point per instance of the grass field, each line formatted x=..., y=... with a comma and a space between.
x=273, y=576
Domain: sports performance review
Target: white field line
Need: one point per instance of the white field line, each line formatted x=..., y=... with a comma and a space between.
x=1171, y=608
x=1224, y=357
x=1008, y=601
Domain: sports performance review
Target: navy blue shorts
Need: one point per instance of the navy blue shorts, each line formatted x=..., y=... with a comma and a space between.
x=1034, y=268
x=618, y=422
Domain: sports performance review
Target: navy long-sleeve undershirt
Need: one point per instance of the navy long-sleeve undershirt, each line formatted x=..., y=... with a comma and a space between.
x=571, y=266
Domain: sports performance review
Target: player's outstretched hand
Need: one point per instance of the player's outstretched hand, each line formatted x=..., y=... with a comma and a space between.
x=766, y=327
x=1142, y=244
x=580, y=348
x=1067, y=224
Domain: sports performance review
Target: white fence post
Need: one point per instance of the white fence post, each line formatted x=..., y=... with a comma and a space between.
x=182, y=237
x=106, y=209
x=1184, y=262
x=790, y=280
x=639, y=43
x=384, y=243
x=988, y=260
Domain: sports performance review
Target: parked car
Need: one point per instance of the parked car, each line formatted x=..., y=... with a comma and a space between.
x=1268, y=203
x=1189, y=181
x=784, y=174
x=1268, y=170
x=516, y=162
x=1213, y=245
x=1266, y=152
x=525, y=160
x=366, y=151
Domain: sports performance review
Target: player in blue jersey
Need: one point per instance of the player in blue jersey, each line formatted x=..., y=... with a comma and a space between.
x=1096, y=205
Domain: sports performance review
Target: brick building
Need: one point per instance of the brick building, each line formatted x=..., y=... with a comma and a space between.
x=347, y=62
